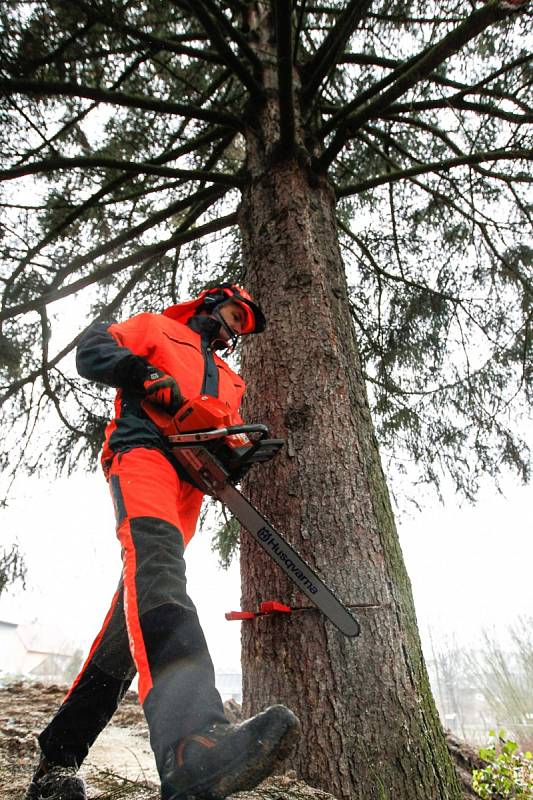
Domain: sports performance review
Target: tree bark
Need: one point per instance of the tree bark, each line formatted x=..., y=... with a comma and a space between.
x=370, y=727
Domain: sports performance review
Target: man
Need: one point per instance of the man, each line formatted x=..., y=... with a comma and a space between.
x=157, y=361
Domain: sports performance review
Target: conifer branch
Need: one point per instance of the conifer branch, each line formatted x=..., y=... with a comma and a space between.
x=136, y=168
x=45, y=374
x=104, y=314
x=205, y=198
x=30, y=64
x=479, y=88
x=83, y=114
x=56, y=88
x=155, y=42
x=101, y=273
x=439, y=80
x=299, y=28
x=390, y=275
x=232, y=33
x=218, y=35
x=472, y=215
x=370, y=60
x=492, y=12
x=109, y=187
x=317, y=69
x=340, y=116
x=435, y=166
x=481, y=227
x=457, y=101
x=443, y=136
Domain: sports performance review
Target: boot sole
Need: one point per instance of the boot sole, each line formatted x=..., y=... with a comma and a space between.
x=74, y=789
x=257, y=772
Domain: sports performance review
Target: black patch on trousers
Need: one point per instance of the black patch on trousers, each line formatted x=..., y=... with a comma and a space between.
x=113, y=652
x=160, y=567
x=118, y=499
x=81, y=717
x=159, y=580
x=184, y=698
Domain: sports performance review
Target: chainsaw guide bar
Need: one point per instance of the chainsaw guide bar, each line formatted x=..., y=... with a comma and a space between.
x=206, y=470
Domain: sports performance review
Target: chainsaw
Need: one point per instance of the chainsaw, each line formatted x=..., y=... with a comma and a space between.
x=215, y=455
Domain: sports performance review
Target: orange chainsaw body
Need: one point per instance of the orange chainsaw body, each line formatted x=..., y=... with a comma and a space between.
x=206, y=413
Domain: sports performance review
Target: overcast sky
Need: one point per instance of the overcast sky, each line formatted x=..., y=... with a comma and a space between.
x=470, y=567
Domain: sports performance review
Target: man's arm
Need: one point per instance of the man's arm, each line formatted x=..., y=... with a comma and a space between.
x=102, y=356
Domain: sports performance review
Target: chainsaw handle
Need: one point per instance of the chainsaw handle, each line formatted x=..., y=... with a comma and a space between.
x=253, y=428
x=196, y=437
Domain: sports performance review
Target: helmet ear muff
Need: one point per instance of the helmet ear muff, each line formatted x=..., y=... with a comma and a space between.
x=211, y=301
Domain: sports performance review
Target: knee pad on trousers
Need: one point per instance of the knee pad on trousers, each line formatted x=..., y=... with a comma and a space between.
x=172, y=634
x=183, y=698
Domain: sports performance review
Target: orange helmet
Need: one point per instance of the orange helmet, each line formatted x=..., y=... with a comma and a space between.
x=209, y=299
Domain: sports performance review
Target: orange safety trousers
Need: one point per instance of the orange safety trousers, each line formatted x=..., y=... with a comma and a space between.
x=151, y=627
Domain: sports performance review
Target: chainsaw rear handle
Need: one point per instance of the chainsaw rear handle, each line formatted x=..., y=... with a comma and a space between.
x=198, y=437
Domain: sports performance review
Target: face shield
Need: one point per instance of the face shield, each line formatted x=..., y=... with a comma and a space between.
x=228, y=337
x=252, y=319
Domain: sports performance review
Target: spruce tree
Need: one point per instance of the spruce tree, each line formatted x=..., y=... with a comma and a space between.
x=362, y=169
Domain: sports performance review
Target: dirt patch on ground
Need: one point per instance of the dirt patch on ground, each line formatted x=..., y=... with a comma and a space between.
x=120, y=765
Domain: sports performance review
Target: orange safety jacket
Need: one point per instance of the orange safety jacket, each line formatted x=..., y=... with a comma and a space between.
x=171, y=346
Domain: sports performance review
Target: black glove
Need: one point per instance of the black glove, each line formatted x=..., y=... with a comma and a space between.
x=162, y=390
x=135, y=374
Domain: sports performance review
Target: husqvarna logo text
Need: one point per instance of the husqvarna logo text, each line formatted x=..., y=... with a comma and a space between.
x=267, y=538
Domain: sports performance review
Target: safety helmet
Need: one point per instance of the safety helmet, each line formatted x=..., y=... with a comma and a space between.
x=210, y=299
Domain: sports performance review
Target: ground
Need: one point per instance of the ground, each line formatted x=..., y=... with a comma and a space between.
x=120, y=764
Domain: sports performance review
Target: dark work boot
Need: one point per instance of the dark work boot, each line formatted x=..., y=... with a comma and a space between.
x=224, y=759
x=54, y=782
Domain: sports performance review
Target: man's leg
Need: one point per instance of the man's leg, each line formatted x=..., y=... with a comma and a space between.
x=189, y=733
x=151, y=617
x=197, y=752
x=85, y=711
x=95, y=694
x=176, y=676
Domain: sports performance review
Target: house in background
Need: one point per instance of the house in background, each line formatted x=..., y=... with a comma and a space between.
x=44, y=653
x=34, y=651
x=229, y=684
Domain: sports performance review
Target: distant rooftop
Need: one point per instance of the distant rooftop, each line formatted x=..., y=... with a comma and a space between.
x=38, y=638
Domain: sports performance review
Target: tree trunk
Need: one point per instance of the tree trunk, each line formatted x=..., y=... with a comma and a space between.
x=370, y=727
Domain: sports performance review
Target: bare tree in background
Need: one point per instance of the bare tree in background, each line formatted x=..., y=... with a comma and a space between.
x=362, y=168
x=12, y=567
x=451, y=683
x=503, y=672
